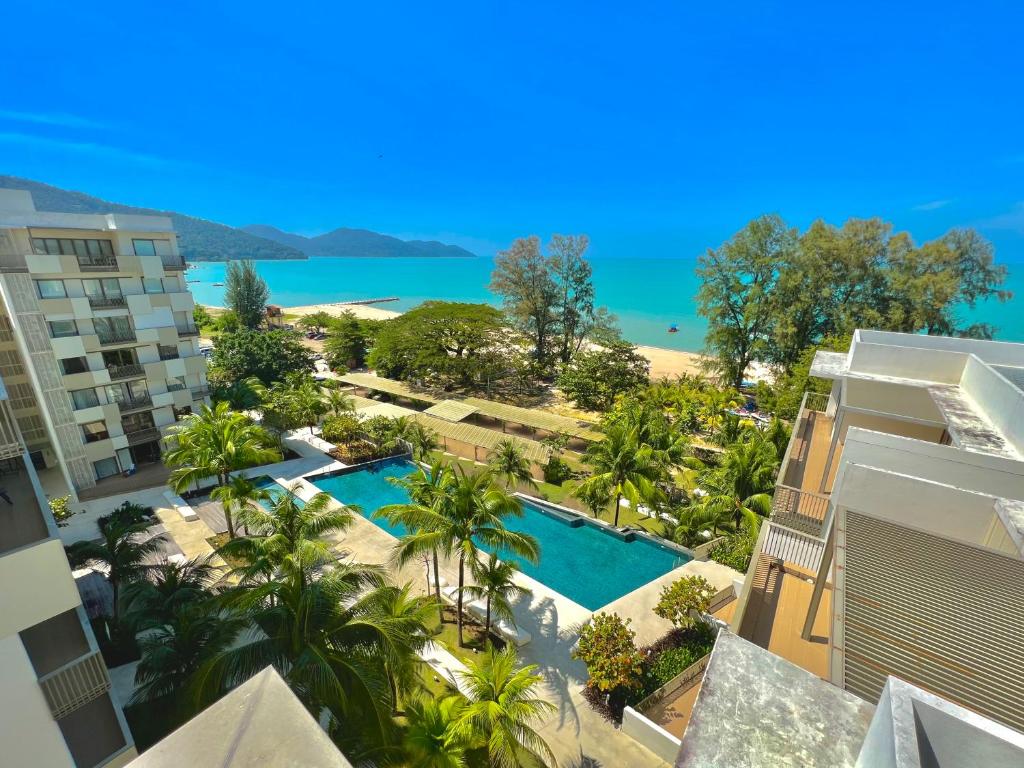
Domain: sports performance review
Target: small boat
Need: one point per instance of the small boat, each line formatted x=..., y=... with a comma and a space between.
x=216, y=285
x=673, y=328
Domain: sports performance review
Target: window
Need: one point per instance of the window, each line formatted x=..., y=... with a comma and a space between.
x=181, y=413
x=152, y=247
x=95, y=431
x=70, y=365
x=83, y=249
x=51, y=289
x=84, y=398
x=107, y=288
x=60, y=329
x=112, y=326
x=106, y=468
x=152, y=285
x=168, y=352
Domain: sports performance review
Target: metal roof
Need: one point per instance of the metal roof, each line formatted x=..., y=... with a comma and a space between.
x=451, y=410
x=483, y=437
x=392, y=387
x=530, y=417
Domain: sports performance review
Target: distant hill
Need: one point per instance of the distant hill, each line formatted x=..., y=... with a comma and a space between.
x=200, y=240
x=357, y=243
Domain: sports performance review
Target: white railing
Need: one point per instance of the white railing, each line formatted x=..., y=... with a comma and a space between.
x=75, y=684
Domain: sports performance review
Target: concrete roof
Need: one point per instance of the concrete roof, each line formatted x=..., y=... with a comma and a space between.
x=972, y=430
x=756, y=710
x=829, y=365
x=259, y=723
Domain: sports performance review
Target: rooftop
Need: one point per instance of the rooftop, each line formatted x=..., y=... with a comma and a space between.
x=259, y=723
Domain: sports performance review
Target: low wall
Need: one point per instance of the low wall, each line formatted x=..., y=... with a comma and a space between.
x=702, y=552
x=651, y=735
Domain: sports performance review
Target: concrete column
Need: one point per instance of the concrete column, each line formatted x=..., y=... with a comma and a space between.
x=837, y=429
x=819, y=583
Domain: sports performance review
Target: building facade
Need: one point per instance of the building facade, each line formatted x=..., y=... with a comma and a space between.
x=896, y=542
x=57, y=709
x=98, y=347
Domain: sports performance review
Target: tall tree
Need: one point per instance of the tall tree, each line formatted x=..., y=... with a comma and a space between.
x=495, y=585
x=595, y=377
x=246, y=293
x=572, y=274
x=269, y=356
x=431, y=739
x=504, y=705
x=235, y=496
x=152, y=600
x=529, y=293
x=508, y=461
x=625, y=466
x=737, y=282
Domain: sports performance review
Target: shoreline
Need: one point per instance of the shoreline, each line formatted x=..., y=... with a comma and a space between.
x=664, y=362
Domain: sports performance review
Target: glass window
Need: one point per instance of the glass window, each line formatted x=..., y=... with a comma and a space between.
x=67, y=247
x=92, y=247
x=51, y=289
x=92, y=288
x=95, y=431
x=144, y=247
x=111, y=287
x=163, y=247
x=152, y=285
x=38, y=245
x=106, y=247
x=84, y=398
x=62, y=328
x=70, y=365
x=52, y=245
x=81, y=251
x=106, y=468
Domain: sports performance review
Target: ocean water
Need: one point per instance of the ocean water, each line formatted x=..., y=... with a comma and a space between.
x=646, y=294
x=568, y=555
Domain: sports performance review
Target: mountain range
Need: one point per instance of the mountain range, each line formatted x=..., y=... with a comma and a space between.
x=203, y=240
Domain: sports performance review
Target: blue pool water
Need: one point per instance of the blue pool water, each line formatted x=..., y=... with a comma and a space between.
x=274, y=489
x=587, y=563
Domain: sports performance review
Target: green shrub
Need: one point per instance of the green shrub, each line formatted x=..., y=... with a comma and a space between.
x=735, y=551
x=342, y=429
x=690, y=593
x=60, y=508
x=126, y=514
x=606, y=646
x=557, y=471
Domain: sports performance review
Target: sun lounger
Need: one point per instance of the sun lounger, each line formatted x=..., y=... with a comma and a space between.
x=178, y=505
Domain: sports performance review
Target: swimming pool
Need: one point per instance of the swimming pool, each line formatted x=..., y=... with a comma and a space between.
x=274, y=490
x=589, y=563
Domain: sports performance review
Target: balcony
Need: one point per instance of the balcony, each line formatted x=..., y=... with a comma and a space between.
x=130, y=371
x=169, y=353
x=173, y=263
x=98, y=264
x=200, y=393
x=135, y=404
x=116, y=337
x=145, y=435
x=75, y=684
x=24, y=522
x=187, y=332
x=107, y=302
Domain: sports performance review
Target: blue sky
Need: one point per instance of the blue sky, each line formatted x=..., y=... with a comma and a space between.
x=659, y=129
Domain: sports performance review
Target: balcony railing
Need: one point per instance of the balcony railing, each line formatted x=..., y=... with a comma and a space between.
x=803, y=511
x=115, y=337
x=75, y=685
x=169, y=353
x=173, y=262
x=145, y=435
x=188, y=331
x=816, y=401
x=125, y=371
x=135, y=404
x=99, y=264
x=198, y=393
x=105, y=302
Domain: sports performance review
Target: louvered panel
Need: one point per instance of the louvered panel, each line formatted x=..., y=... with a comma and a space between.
x=942, y=615
x=793, y=547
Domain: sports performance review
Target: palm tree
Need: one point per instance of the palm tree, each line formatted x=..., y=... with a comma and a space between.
x=750, y=466
x=470, y=517
x=427, y=489
x=690, y=522
x=778, y=434
x=431, y=739
x=290, y=538
x=724, y=498
x=307, y=399
x=627, y=467
x=121, y=552
x=406, y=617
x=495, y=584
x=595, y=496
x=153, y=600
x=422, y=439
x=327, y=639
x=214, y=443
x=716, y=403
x=508, y=461
x=241, y=395
x=173, y=651
x=339, y=402
x=235, y=496
x=503, y=706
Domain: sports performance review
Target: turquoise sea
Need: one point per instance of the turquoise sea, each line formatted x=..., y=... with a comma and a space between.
x=646, y=294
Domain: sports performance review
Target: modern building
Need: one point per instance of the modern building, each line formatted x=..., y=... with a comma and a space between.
x=57, y=709
x=97, y=342
x=896, y=542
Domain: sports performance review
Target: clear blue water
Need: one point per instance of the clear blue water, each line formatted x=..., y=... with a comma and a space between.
x=587, y=564
x=274, y=489
x=646, y=294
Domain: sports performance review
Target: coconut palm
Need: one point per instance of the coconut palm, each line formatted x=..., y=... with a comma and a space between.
x=422, y=439
x=339, y=402
x=406, y=617
x=470, y=517
x=508, y=461
x=173, y=651
x=122, y=552
x=427, y=489
x=596, y=496
x=778, y=434
x=716, y=403
x=214, y=443
x=503, y=707
x=241, y=395
x=495, y=585
x=235, y=496
x=151, y=601
x=689, y=523
x=629, y=468
x=290, y=537
x=327, y=639
x=307, y=399
x=431, y=739
x=750, y=466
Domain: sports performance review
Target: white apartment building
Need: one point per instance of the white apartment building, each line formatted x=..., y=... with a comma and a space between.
x=57, y=709
x=97, y=343
x=896, y=543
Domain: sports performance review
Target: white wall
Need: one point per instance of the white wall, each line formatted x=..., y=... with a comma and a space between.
x=651, y=735
x=900, y=399
x=907, y=362
x=37, y=585
x=1001, y=402
x=29, y=736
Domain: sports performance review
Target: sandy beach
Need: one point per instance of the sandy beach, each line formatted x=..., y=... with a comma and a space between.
x=664, y=362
